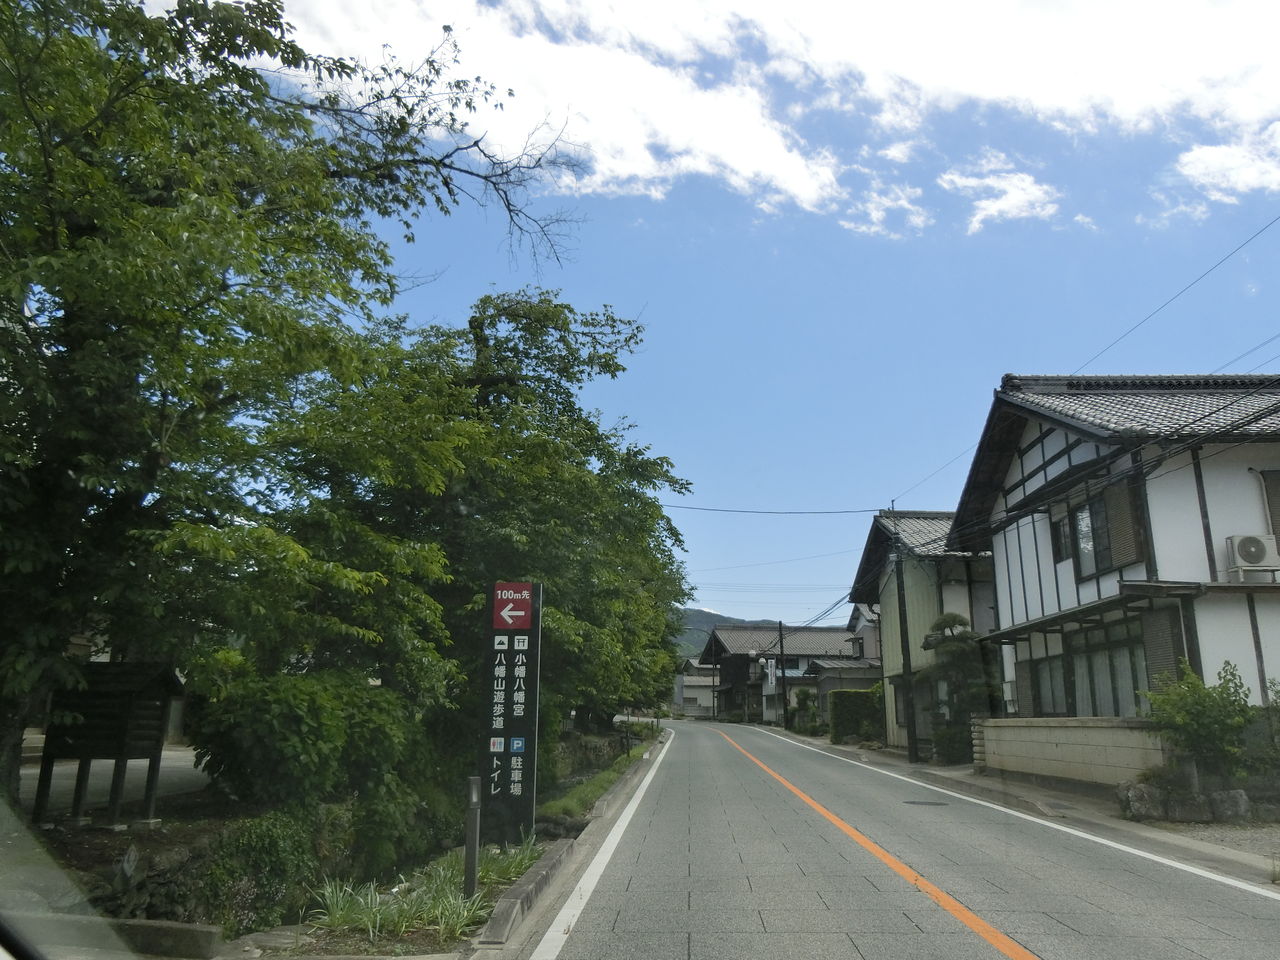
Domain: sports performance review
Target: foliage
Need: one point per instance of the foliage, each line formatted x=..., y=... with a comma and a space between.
x=216, y=449
x=259, y=871
x=428, y=899
x=857, y=714
x=186, y=242
x=952, y=743
x=579, y=799
x=970, y=679
x=300, y=740
x=1205, y=723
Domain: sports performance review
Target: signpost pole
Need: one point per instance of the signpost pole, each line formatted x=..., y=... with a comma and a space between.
x=510, y=755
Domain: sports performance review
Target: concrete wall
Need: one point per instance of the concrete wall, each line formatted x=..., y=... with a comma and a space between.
x=1102, y=750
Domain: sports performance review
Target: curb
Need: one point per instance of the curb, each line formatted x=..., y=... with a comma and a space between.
x=519, y=899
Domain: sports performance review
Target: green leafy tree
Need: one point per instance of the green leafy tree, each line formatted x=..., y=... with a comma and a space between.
x=186, y=208
x=970, y=680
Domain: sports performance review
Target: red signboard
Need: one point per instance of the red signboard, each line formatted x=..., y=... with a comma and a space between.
x=513, y=606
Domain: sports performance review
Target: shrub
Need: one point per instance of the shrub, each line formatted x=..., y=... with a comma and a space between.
x=952, y=743
x=304, y=739
x=857, y=714
x=1204, y=723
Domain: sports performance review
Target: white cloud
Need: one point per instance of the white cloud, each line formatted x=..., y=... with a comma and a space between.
x=719, y=88
x=999, y=192
x=1172, y=208
x=1224, y=170
x=900, y=152
x=871, y=214
x=1085, y=221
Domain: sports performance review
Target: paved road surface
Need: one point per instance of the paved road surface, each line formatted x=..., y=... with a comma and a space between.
x=722, y=860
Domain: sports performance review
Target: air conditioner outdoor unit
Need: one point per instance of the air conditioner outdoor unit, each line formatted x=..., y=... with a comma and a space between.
x=1253, y=552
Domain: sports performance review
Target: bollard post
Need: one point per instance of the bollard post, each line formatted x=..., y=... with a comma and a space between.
x=471, y=853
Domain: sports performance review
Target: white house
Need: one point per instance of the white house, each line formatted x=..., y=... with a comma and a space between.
x=937, y=579
x=1132, y=522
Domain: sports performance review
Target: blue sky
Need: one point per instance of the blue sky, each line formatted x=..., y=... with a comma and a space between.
x=840, y=228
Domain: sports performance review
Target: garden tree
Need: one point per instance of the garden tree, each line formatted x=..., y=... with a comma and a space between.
x=186, y=207
x=971, y=683
x=1204, y=723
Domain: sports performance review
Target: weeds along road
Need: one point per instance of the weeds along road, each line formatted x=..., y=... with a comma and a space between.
x=741, y=843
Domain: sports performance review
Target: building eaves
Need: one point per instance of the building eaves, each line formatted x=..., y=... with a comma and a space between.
x=1123, y=411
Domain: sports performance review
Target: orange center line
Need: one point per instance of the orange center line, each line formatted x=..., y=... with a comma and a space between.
x=1002, y=942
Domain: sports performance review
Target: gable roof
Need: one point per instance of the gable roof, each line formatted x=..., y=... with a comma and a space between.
x=1148, y=407
x=923, y=533
x=1126, y=411
x=799, y=641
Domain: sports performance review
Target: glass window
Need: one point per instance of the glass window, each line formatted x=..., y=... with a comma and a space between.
x=1051, y=684
x=1093, y=544
x=1104, y=690
x=1122, y=671
x=1084, y=689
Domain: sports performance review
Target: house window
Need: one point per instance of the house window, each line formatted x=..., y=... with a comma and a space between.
x=1109, y=667
x=1104, y=532
x=1092, y=538
x=1051, y=688
x=1063, y=540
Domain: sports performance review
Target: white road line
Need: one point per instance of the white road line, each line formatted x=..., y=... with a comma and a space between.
x=1061, y=828
x=553, y=940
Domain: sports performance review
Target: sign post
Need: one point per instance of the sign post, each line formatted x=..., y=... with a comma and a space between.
x=510, y=756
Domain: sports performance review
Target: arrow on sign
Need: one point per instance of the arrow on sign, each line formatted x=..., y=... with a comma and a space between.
x=510, y=613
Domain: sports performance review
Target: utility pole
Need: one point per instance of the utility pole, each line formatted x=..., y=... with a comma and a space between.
x=907, y=691
x=782, y=659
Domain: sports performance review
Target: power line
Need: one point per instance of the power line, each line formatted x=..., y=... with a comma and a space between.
x=1269, y=224
x=770, y=563
x=679, y=506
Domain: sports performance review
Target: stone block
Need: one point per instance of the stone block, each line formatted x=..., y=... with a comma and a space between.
x=1229, y=806
x=1146, y=801
x=1190, y=808
x=1266, y=812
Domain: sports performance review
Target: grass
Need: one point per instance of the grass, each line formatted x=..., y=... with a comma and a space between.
x=580, y=798
x=428, y=901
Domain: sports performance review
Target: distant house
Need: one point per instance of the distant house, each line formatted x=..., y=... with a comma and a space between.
x=693, y=696
x=937, y=579
x=1132, y=521
x=818, y=658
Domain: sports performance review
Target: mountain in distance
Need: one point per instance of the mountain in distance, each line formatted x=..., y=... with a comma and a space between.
x=698, y=623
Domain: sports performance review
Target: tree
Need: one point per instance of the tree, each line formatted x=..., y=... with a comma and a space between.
x=186, y=204
x=970, y=682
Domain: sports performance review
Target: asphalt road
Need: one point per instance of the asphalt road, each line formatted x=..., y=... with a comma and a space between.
x=721, y=859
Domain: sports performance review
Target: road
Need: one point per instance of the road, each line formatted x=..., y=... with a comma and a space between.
x=745, y=844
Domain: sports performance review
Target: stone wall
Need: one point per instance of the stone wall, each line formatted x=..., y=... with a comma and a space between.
x=1105, y=750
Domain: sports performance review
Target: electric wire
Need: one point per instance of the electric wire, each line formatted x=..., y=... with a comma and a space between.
x=1267, y=226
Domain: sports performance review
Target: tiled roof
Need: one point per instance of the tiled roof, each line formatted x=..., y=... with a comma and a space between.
x=799, y=641
x=1141, y=406
x=923, y=532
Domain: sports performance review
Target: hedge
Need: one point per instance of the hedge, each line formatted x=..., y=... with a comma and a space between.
x=857, y=714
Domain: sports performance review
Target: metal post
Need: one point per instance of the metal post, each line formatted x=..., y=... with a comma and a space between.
x=782, y=660
x=471, y=851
